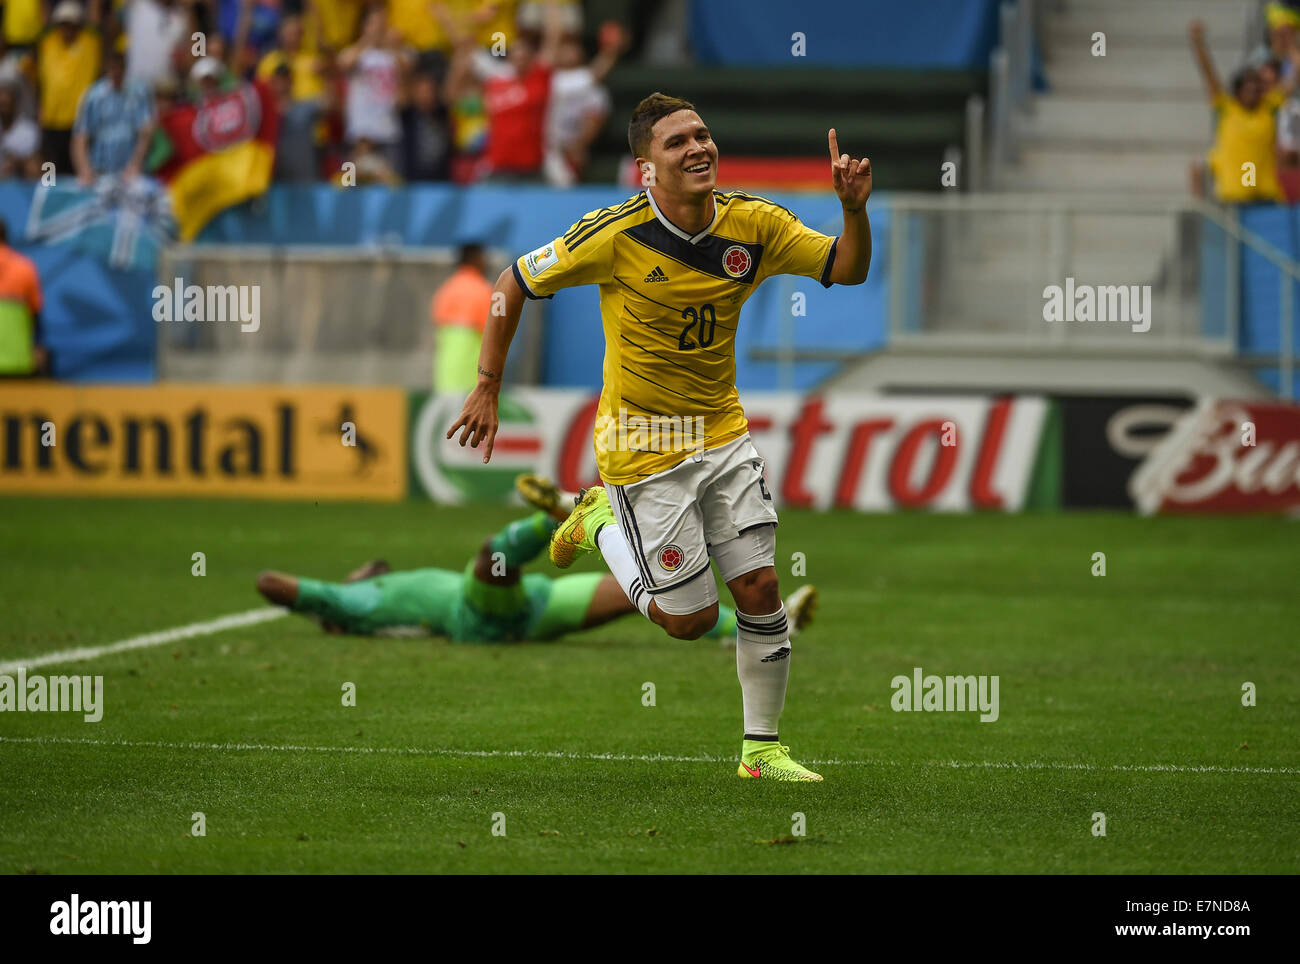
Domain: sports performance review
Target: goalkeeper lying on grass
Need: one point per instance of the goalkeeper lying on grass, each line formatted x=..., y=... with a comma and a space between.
x=491, y=600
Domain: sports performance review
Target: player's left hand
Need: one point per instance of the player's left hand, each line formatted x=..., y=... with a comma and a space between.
x=851, y=178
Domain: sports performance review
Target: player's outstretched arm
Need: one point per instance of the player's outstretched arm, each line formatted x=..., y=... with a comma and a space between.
x=852, y=182
x=478, y=419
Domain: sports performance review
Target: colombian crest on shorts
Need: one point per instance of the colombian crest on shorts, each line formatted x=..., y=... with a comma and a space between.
x=671, y=557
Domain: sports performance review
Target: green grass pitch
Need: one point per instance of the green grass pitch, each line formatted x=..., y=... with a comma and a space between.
x=1119, y=694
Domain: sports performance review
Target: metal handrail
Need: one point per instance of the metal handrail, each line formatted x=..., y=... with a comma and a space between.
x=1011, y=68
x=1290, y=270
x=1225, y=219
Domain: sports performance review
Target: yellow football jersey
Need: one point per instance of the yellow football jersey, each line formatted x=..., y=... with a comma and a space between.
x=670, y=303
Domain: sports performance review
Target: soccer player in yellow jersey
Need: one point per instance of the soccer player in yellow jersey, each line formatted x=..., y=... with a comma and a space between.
x=683, y=481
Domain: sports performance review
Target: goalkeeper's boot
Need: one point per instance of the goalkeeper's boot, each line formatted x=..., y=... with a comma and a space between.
x=578, y=532
x=800, y=608
x=538, y=491
x=771, y=761
x=375, y=567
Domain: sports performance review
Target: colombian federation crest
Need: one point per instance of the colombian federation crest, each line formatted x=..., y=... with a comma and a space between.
x=671, y=558
x=736, y=261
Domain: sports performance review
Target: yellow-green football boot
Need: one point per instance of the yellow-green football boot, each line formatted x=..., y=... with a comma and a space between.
x=578, y=532
x=771, y=761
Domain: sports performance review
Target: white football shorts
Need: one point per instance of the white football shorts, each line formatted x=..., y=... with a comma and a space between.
x=675, y=520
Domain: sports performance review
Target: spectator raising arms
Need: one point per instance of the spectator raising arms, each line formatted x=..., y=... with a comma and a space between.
x=68, y=63
x=114, y=125
x=515, y=96
x=374, y=66
x=1243, y=158
x=154, y=30
x=579, y=104
x=307, y=67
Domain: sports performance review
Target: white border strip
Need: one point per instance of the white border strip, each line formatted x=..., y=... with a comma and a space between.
x=235, y=620
x=628, y=757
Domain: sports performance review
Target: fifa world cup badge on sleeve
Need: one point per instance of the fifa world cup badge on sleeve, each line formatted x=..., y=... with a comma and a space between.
x=538, y=261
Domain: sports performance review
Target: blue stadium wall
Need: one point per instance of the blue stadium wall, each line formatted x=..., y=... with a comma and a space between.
x=97, y=270
x=99, y=325
x=1260, y=312
x=522, y=218
x=936, y=34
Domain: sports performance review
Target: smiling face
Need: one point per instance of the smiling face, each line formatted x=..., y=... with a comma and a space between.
x=683, y=153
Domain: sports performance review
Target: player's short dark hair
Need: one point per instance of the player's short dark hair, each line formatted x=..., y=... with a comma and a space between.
x=647, y=113
x=469, y=253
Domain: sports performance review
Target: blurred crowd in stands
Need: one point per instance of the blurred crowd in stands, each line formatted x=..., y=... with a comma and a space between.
x=1255, y=157
x=405, y=90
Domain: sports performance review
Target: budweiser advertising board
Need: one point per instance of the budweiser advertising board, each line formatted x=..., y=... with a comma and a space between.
x=1224, y=456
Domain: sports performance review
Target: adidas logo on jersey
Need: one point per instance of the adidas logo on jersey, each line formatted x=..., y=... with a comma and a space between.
x=656, y=275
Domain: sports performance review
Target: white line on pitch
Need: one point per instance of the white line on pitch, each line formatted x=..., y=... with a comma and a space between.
x=235, y=620
x=636, y=758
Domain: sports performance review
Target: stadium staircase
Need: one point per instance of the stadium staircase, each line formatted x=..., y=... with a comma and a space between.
x=1132, y=121
x=1107, y=133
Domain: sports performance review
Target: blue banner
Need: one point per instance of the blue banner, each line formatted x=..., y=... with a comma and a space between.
x=95, y=251
x=883, y=34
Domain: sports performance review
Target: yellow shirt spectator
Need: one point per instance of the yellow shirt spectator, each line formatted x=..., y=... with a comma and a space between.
x=415, y=21
x=307, y=81
x=22, y=22
x=502, y=21
x=1246, y=137
x=65, y=71
x=340, y=21
x=419, y=27
x=1279, y=15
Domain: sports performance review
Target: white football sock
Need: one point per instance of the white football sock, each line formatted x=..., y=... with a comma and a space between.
x=622, y=563
x=763, y=665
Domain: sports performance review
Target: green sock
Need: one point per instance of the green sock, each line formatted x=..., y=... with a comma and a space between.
x=522, y=540
x=726, y=625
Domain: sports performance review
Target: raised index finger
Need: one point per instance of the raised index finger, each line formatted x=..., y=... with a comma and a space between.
x=835, y=147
